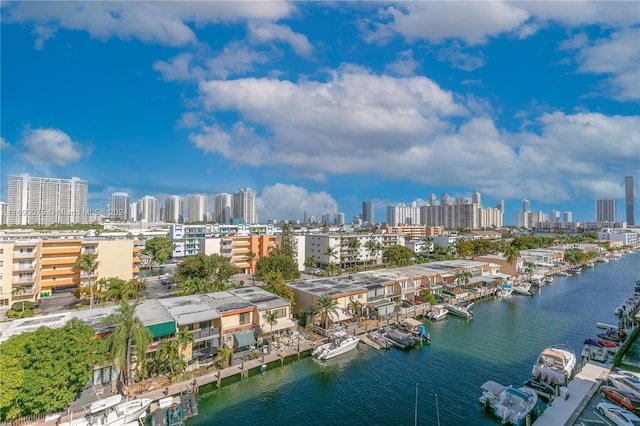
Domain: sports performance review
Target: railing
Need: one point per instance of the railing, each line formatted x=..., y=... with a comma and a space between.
x=23, y=267
x=23, y=280
x=199, y=334
x=23, y=255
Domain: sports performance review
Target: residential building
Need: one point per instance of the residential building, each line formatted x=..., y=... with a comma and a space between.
x=198, y=206
x=554, y=216
x=237, y=249
x=349, y=249
x=338, y=218
x=239, y=320
x=326, y=218
x=267, y=302
x=606, y=210
x=526, y=205
x=173, y=209
x=244, y=206
x=401, y=213
x=625, y=236
x=460, y=214
x=223, y=208
x=33, y=264
x=367, y=212
x=413, y=231
x=187, y=238
x=46, y=201
x=147, y=209
x=3, y=213
x=567, y=217
x=119, y=207
x=628, y=197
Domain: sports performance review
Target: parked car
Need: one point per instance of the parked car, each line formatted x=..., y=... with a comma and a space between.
x=627, y=400
x=619, y=416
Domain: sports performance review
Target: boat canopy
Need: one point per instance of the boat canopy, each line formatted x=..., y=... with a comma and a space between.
x=493, y=387
x=412, y=322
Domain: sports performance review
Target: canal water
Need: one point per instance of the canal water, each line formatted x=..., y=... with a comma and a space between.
x=367, y=386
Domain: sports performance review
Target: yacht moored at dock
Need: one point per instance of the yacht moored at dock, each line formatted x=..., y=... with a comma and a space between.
x=555, y=365
x=340, y=343
x=509, y=404
x=463, y=310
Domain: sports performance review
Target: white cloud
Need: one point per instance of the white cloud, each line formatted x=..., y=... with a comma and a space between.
x=266, y=32
x=404, y=65
x=291, y=201
x=165, y=23
x=4, y=145
x=50, y=146
x=459, y=59
x=472, y=22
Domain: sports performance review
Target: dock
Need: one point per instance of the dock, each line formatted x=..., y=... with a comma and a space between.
x=364, y=339
x=188, y=409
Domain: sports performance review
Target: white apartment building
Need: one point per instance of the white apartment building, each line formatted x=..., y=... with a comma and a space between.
x=119, y=207
x=244, y=205
x=198, y=206
x=223, y=208
x=408, y=214
x=46, y=201
x=148, y=209
x=174, y=209
x=461, y=214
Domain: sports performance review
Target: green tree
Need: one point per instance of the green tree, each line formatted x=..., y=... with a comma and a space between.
x=159, y=247
x=511, y=255
x=170, y=354
x=194, y=286
x=250, y=257
x=215, y=271
x=354, y=247
x=87, y=265
x=43, y=371
x=332, y=270
x=224, y=356
x=274, y=283
x=355, y=306
x=270, y=318
x=277, y=261
x=462, y=277
x=529, y=267
x=128, y=331
x=330, y=252
x=325, y=306
x=398, y=256
x=19, y=290
x=310, y=263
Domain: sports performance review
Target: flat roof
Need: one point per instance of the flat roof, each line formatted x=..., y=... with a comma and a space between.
x=152, y=312
x=223, y=301
x=263, y=299
x=189, y=309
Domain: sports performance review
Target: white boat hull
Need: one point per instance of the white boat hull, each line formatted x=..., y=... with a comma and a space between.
x=332, y=351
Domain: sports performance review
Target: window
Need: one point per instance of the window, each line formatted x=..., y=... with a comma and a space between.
x=53, y=278
x=54, y=268
x=205, y=325
x=245, y=318
x=350, y=297
x=359, y=296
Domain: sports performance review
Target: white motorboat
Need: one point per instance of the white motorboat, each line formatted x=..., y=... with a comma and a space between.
x=511, y=405
x=523, y=289
x=340, y=344
x=463, y=311
x=111, y=412
x=555, y=365
x=593, y=350
x=505, y=290
x=438, y=313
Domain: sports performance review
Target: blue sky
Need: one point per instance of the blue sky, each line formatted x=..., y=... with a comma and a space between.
x=318, y=103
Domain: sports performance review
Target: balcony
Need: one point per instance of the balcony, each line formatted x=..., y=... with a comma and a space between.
x=55, y=261
x=88, y=250
x=29, y=267
x=24, y=255
x=69, y=251
x=207, y=332
x=23, y=280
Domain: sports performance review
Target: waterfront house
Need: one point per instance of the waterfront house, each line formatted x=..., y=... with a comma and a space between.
x=239, y=322
x=265, y=301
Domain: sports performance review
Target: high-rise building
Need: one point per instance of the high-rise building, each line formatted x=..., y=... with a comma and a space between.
x=606, y=210
x=174, y=209
x=326, y=218
x=244, y=205
x=628, y=196
x=367, y=212
x=475, y=198
x=222, y=208
x=407, y=214
x=119, y=208
x=432, y=199
x=567, y=217
x=460, y=214
x=338, y=218
x=198, y=206
x=133, y=212
x=554, y=216
x=526, y=205
x=46, y=201
x=147, y=209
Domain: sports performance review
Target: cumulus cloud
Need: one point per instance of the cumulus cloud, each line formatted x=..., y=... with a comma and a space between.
x=50, y=146
x=165, y=23
x=266, y=32
x=291, y=201
x=404, y=64
x=460, y=59
x=4, y=145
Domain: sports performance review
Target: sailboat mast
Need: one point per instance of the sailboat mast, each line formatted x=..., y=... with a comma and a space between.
x=416, y=407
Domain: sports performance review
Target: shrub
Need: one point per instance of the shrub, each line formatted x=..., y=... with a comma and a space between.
x=28, y=305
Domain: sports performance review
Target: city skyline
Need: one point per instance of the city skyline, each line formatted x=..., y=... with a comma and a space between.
x=514, y=100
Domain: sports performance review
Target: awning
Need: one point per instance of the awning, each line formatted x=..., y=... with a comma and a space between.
x=244, y=339
x=281, y=325
x=339, y=315
x=162, y=329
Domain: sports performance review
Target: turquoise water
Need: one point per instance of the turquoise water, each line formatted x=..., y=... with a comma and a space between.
x=373, y=387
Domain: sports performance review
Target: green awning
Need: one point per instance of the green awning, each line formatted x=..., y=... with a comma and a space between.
x=244, y=339
x=162, y=329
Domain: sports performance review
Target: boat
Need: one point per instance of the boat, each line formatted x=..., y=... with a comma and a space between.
x=437, y=313
x=523, y=289
x=505, y=290
x=172, y=412
x=511, y=405
x=590, y=264
x=613, y=335
x=416, y=328
x=548, y=279
x=544, y=390
x=592, y=350
x=399, y=338
x=555, y=365
x=576, y=269
x=376, y=337
x=563, y=274
x=339, y=344
x=461, y=310
x=108, y=412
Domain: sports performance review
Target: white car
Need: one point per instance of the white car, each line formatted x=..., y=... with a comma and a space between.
x=619, y=416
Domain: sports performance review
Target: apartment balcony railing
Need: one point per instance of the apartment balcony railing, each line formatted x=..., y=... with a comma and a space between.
x=199, y=334
x=24, y=255
x=24, y=267
x=23, y=280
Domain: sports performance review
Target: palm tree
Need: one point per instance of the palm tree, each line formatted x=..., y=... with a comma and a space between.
x=170, y=353
x=310, y=263
x=87, y=265
x=194, y=286
x=371, y=246
x=354, y=246
x=511, y=255
x=325, y=306
x=356, y=307
x=224, y=355
x=331, y=252
x=271, y=318
x=250, y=257
x=128, y=331
x=19, y=290
x=529, y=267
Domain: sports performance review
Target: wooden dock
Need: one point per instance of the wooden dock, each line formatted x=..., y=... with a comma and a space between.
x=364, y=339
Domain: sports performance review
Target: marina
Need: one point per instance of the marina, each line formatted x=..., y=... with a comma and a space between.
x=501, y=344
